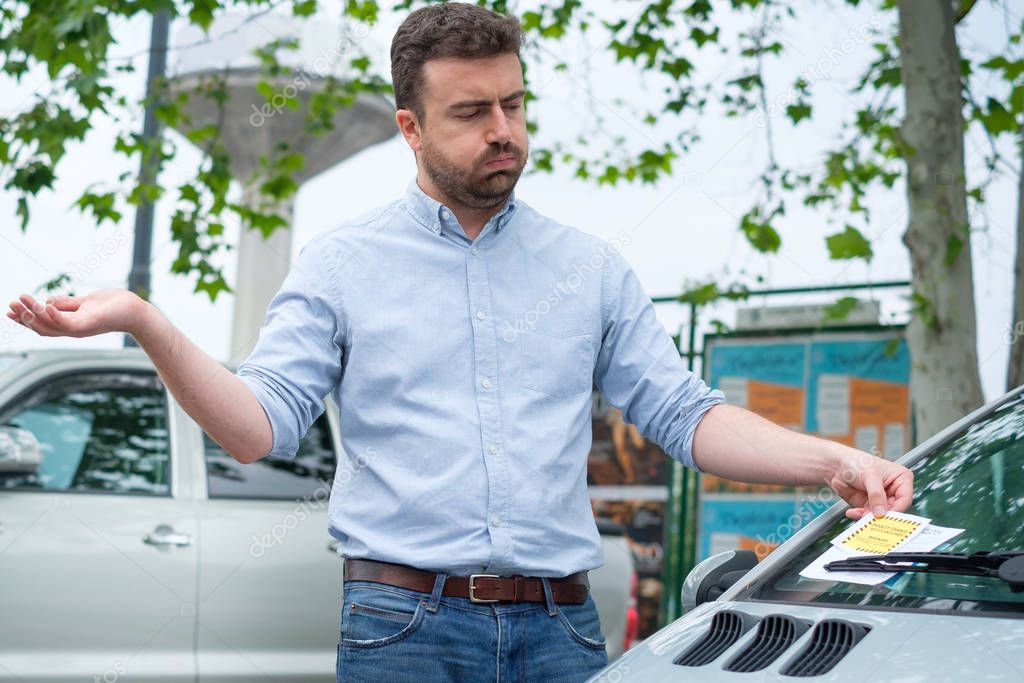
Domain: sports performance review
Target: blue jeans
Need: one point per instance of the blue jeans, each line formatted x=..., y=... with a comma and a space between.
x=394, y=635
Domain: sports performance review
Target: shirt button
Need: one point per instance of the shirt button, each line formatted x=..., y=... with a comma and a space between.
x=480, y=315
x=496, y=520
x=493, y=449
x=486, y=384
x=445, y=214
x=473, y=251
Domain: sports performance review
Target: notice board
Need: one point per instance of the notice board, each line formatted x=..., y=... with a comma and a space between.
x=850, y=386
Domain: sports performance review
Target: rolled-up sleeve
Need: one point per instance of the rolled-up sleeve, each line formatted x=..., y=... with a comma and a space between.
x=297, y=359
x=639, y=370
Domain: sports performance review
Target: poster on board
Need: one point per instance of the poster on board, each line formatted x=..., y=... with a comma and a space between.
x=850, y=386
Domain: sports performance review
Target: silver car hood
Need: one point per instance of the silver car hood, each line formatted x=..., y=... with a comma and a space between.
x=901, y=646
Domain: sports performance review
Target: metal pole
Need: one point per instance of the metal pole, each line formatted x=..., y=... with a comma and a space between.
x=887, y=284
x=139, y=277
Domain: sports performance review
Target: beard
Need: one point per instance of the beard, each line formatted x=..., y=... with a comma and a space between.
x=475, y=187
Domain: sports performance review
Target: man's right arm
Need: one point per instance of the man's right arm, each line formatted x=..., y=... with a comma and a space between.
x=218, y=400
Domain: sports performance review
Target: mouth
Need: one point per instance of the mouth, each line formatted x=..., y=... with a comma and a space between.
x=500, y=162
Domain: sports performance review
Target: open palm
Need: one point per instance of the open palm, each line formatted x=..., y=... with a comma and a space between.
x=105, y=310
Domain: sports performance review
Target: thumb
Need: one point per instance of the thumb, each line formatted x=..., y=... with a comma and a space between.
x=875, y=491
x=67, y=324
x=64, y=303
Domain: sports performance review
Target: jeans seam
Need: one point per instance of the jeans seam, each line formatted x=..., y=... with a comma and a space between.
x=576, y=635
x=408, y=630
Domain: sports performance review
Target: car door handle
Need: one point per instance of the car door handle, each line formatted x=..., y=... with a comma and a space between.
x=166, y=535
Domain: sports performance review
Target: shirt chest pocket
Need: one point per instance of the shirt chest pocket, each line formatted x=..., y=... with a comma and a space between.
x=556, y=364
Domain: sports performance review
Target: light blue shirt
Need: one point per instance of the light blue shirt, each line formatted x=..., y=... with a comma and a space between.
x=463, y=372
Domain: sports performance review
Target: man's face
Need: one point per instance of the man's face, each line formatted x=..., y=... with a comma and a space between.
x=473, y=144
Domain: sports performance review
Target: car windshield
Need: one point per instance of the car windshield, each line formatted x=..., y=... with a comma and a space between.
x=975, y=481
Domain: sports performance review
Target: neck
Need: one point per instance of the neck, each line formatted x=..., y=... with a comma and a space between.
x=471, y=218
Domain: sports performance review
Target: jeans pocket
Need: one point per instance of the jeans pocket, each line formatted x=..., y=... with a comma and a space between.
x=582, y=623
x=370, y=620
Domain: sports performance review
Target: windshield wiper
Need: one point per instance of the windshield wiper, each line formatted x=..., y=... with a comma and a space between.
x=1005, y=565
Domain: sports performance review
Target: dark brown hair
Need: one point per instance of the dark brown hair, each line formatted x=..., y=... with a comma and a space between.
x=454, y=29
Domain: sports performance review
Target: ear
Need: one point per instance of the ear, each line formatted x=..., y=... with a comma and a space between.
x=409, y=126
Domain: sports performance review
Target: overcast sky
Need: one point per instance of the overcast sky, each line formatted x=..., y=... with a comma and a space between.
x=683, y=229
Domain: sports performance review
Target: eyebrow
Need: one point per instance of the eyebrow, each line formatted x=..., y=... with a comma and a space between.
x=479, y=103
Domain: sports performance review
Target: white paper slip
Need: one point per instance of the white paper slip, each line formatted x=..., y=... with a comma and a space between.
x=927, y=539
x=872, y=535
x=930, y=538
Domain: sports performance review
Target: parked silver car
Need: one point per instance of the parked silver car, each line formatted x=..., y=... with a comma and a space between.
x=957, y=616
x=132, y=547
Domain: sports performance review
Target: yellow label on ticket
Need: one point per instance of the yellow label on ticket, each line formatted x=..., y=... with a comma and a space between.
x=880, y=535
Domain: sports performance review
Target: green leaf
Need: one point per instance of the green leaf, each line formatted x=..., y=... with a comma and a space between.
x=840, y=309
x=201, y=12
x=700, y=36
x=365, y=10
x=798, y=112
x=849, y=244
x=303, y=8
x=922, y=307
x=760, y=233
x=892, y=347
x=954, y=245
x=997, y=119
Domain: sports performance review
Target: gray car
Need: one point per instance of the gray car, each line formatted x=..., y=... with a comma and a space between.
x=957, y=617
x=132, y=547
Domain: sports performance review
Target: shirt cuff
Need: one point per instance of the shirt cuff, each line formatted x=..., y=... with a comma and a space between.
x=283, y=444
x=694, y=415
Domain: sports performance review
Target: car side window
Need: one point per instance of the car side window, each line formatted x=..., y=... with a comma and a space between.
x=306, y=476
x=98, y=432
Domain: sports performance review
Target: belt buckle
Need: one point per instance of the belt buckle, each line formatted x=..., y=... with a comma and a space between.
x=472, y=586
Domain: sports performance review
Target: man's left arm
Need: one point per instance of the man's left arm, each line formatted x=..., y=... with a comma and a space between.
x=737, y=444
x=639, y=371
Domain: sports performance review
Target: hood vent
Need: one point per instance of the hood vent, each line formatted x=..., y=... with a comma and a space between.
x=831, y=640
x=775, y=634
x=726, y=628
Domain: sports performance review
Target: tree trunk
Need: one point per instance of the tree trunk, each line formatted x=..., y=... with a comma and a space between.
x=944, y=379
x=1015, y=334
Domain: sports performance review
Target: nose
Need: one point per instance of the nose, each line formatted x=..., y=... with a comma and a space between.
x=499, y=132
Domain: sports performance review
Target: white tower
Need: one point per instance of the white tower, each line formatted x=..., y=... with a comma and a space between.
x=251, y=127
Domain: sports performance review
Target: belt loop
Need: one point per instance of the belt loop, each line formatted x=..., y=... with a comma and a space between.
x=435, y=596
x=552, y=610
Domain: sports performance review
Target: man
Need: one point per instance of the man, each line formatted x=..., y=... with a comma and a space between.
x=460, y=333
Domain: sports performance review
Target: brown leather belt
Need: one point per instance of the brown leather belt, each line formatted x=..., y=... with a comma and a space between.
x=571, y=589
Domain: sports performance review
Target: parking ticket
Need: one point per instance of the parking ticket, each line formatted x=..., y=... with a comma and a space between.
x=924, y=539
x=878, y=535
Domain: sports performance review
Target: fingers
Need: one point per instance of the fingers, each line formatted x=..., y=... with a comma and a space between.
x=896, y=495
x=38, y=309
x=901, y=490
x=24, y=312
x=875, y=490
x=64, y=303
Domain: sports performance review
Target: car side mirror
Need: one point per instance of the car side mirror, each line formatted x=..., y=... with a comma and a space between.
x=20, y=452
x=712, y=577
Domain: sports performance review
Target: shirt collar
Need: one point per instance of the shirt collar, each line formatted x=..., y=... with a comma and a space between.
x=432, y=214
